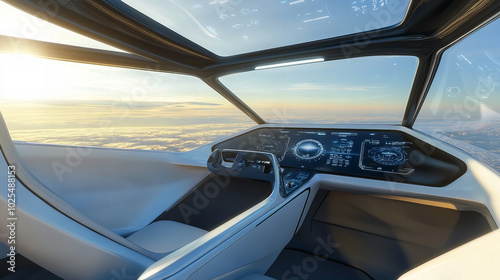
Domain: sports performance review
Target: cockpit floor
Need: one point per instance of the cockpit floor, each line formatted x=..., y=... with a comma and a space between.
x=293, y=264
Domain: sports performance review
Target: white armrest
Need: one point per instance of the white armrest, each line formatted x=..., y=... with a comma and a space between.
x=165, y=236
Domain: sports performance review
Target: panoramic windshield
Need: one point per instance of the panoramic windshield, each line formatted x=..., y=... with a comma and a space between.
x=67, y=103
x=359, y=90
x=230, y=27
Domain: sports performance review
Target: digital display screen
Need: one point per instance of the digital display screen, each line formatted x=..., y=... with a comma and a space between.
x=335, y=151
x=379, y=154
x=385, y=156
x=340, y=151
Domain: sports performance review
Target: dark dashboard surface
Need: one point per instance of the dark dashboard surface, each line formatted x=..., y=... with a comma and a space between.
x=376, y=154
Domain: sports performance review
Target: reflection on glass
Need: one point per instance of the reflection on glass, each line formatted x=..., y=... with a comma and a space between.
x=229, y=27
x=463, y=103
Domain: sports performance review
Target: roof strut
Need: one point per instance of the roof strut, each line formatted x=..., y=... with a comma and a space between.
x=424, y=76
x=226, y=93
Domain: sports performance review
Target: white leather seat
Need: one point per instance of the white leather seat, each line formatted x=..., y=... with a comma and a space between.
x=256, y=277
x=165, y=236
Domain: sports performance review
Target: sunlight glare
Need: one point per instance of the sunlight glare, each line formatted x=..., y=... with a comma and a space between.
x=28, y=78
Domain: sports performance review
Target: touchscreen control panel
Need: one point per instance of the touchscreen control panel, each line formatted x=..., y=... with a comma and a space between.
x=379, y=154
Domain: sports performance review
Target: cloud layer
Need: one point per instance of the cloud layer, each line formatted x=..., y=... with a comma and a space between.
x=174, y=139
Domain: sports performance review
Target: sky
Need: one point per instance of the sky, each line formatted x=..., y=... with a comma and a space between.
x=56, y=102
x=38, y=94
x=369, y=87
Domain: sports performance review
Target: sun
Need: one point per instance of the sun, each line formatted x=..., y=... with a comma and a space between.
x=27, y=78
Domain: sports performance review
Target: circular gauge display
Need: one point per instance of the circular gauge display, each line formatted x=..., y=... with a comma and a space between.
x=308, y=149
x=387, y=155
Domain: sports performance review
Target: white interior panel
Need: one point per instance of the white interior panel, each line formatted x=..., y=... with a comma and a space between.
x=124, y=190
x=256, y=250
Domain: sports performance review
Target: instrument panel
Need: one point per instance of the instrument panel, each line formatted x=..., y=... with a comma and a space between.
x=377, y=154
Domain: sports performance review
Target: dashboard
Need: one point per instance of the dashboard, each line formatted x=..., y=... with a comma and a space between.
x=376, y=154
